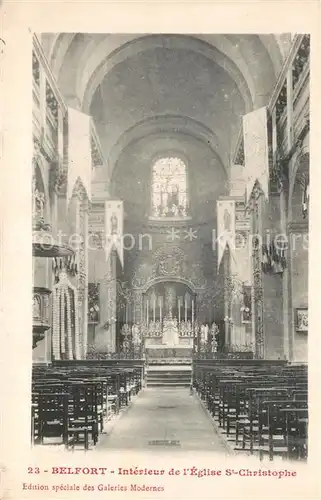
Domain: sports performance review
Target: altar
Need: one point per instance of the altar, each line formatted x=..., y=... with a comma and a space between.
x=169, y=334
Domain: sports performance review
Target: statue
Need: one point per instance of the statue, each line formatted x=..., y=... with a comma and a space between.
x=169, y=301
x=136, y=335
x=175, y=210
x=214, y=333
x=170, y=332
x=204, y=333
x=227, y=220
x=39, y=205
x=114, y=223
x=36, y=307
x=173, y=196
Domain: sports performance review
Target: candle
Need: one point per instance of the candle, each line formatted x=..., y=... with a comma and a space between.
x=179, y=310
x=192, y=311
x=154, y=311
x=185, y=310
x=147, y=311
x=160, y=309
x=126, y=313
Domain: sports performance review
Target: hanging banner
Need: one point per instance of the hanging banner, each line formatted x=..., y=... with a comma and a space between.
x=79, y=151
x=256, y=153
x=114, y=216
x=225, y=227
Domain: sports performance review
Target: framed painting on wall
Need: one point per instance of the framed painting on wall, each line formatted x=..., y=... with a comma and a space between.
x=302, y=324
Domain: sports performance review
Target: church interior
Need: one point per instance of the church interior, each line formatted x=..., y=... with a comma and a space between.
x=170, y=242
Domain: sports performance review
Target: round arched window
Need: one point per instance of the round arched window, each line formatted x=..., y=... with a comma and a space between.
x=169, y=188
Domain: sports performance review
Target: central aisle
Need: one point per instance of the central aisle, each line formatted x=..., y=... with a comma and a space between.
x=162, y=418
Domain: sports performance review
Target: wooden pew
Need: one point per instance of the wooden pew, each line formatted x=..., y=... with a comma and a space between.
x=75, y=398
x=249, y=400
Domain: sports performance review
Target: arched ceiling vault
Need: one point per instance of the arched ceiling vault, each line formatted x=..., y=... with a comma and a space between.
x=58, y=45
x=111, y=77
x=166, y=125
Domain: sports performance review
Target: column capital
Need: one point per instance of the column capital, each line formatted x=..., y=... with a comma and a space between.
x=73, y=101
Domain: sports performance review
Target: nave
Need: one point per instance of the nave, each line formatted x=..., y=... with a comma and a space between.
x=253, y=407
x=170, y=242
x=164, y=419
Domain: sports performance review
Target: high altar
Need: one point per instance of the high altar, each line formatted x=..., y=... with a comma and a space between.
x=170, y=331
x=169, y=334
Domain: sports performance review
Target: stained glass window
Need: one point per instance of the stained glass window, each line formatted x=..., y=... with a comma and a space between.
x=169, y=188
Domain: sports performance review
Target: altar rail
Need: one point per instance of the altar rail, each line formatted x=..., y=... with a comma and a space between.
x=237, y=362
x=104, y=363
x=168, y=355
x=243, y=355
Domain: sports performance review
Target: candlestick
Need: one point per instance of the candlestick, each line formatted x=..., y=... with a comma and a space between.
x=126, y=313
x=141, y=309
x=185, y=310
x=179, y=311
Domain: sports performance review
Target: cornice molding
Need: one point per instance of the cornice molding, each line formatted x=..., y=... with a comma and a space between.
x=51, y=80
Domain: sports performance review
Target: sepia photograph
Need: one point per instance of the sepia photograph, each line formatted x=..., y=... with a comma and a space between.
x=170, y=225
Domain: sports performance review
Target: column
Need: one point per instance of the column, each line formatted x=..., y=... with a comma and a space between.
x=137, y=313
x=60, y=133
x=102, y=331
x=79, y=311
x=107, y=337
x=84, y=208
x=43, y=100
x=257, y=295
x=289, y=108
x=113, y=297
x=226, y=299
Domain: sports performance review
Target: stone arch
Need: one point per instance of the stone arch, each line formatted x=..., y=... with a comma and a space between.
x=100, y=53
x=299, y=176
x=164, y=124
x=165, y=279
x=233, y=64
x=58, y=50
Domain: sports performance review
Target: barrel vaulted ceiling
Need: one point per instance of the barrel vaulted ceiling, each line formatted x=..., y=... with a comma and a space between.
x=140, y=85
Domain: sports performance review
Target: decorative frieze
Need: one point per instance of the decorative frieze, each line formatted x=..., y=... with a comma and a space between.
x=273, y=258
x=57, y=176
x=281, y=102
x=35, y=69
x=52, y=102
x=93, y=303
x=301, y=59
x=170, y=262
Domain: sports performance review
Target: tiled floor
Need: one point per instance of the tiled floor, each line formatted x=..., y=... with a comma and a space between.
x=162, y=418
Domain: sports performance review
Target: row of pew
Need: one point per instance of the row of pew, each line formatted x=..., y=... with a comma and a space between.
x=71, y=404
x=261, y=407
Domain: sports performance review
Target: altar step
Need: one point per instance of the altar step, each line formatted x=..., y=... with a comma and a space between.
x=168, y=376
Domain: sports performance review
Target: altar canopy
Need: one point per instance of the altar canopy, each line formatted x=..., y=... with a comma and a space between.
x=256, y=153
x=79, y=151
x=225, y=227
x=114, y=217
